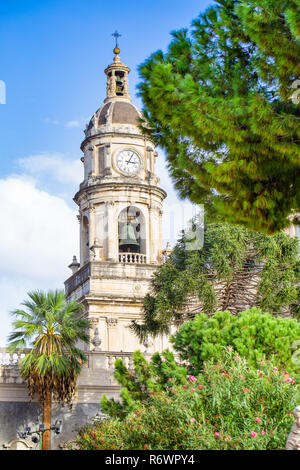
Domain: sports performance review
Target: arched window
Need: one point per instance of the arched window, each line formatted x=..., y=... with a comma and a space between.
x=132, y=231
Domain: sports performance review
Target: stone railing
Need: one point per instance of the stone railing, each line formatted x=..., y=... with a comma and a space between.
x=78, y=278
x=132, y=258
x=95, y=359
x=106, y=359
x=8, y=359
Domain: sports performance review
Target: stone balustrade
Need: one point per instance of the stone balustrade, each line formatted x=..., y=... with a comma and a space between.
x=95, y=360
x=133, y=258
x=8, y=359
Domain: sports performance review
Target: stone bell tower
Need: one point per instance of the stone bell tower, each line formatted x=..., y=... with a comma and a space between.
x=120, y=217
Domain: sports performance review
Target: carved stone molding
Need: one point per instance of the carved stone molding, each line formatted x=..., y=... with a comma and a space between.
x=94, y=322
x=111, y=321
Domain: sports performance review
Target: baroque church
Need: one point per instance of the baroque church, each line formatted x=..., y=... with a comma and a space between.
x=120, y=220
x=120, y=217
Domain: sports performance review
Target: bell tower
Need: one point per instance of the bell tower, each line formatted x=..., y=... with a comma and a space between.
x=120, y=218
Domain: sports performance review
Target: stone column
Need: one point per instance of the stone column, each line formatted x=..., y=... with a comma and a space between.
x=107, y=159
x=155, y=155
x=95, y=161
x=111, y=235
x=153, y=230
x=91, y=227
x=113, y=341
x=126, y=87
x=149, y=159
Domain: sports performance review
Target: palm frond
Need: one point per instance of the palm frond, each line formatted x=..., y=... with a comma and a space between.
x=54, y=328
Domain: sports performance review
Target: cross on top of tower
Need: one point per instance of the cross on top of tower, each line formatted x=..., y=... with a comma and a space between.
x=116, y=35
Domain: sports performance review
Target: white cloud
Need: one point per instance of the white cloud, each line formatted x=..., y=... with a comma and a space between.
x=39, y=231
x=71, y=124
x=47, y=120
x=54, y=165
x=38, y=237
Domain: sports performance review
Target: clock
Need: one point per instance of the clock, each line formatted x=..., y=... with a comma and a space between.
x=128, y=162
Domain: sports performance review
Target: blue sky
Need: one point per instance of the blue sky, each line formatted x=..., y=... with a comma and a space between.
x=52, y=57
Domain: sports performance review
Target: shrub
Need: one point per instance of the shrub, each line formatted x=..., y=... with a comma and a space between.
x=143, y=379
x=229, y=405
x=253, y=334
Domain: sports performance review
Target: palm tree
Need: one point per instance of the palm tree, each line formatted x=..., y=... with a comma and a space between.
x=53, y=327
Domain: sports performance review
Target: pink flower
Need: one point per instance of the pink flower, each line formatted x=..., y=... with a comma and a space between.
x=192, y=378
x=228, y=438
x=223, y=374
x=217, y=434
x=192, y=420
x=193, y=389
x=230, y=348
x=253, y=434
x=183, y=386
x=258, y=420
x=200, y=387
x=93, y=435
x=170, y=380
x=263, y=433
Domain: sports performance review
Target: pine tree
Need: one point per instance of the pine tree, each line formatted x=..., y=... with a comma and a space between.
x=235, y=270
x=222, y=103
x=142, y=381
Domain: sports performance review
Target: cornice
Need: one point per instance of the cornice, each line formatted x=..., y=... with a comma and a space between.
x=117, y=185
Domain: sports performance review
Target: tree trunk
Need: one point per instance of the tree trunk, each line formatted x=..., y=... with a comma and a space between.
x=46, y=438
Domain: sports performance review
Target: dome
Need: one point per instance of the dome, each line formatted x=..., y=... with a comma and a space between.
x=116, y=112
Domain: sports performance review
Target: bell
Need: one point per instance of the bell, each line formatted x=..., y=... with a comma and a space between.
x=128, y=236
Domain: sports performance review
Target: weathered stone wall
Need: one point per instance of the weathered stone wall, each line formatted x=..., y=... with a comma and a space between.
x=17, y=411
x=14, y=416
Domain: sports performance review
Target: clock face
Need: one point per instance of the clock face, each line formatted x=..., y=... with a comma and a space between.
x=128, y=162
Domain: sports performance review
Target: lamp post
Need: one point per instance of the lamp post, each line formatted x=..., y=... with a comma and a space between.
x=35, y=435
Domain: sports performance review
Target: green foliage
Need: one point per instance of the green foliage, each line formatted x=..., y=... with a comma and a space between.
x=219, y=103
x=235, y=269
x=53, y=328
x=253, y=334
x=144, y=379
x=228, y=406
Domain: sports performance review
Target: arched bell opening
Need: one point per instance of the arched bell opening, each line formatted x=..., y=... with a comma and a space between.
x=120, y=83
x=132, y=231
